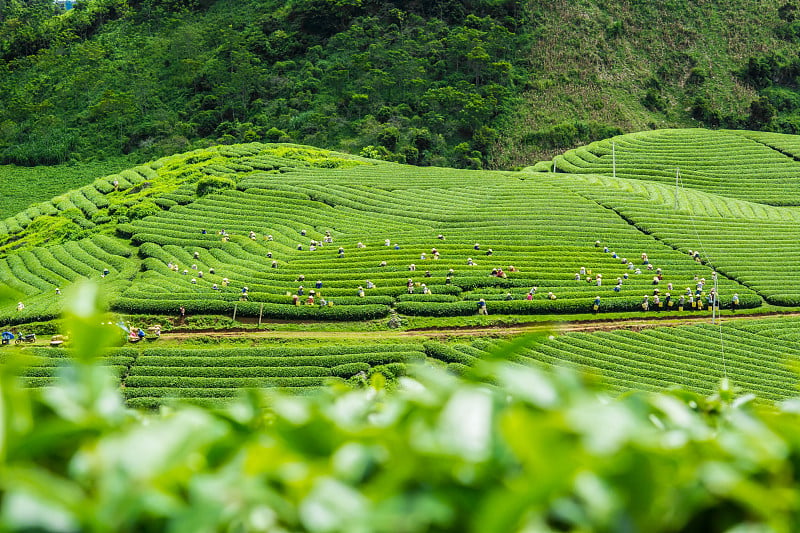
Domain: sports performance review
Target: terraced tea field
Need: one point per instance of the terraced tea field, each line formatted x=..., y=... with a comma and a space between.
x=533, y=245
x=733, y=164
x=447, y=230
x=152, y=376
x=756, y=355
x=752, y=243
x=291, y=233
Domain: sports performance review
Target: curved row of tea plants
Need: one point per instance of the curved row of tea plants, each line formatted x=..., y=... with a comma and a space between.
x=152, y=375
x=38, y=275
x=757, y=356
x=757, y=248
x=722, y=162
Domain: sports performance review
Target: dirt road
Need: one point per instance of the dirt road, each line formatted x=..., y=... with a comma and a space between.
x=470, y=331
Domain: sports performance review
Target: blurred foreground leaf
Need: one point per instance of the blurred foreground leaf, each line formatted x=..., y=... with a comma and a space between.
x=511, y=448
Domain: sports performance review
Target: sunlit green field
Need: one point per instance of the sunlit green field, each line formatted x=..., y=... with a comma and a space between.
x=289, y=233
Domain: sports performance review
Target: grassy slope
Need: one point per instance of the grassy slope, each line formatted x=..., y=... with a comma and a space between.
x=585, y=69
x=25, y=186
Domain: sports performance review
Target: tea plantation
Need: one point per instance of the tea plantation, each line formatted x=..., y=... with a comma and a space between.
x=753, y=166
x=755, y=354
x=291, y=233
x=749, y=242
x=206, y=376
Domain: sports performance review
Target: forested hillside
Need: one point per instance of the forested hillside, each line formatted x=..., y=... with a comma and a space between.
x=465, y=83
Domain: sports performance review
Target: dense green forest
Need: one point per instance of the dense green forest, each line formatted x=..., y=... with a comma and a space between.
x=465, y=83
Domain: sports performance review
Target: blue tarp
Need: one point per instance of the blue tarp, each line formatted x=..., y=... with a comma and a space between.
x=7, y=336
x=66, y=4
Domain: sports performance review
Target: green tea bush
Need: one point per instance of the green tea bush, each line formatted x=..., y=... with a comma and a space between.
x=437, y=309
x=259, y=361
x=443, y=352
x=283, y=351
x=200, y=384
x=350, y=369
x=214, y=184
x=240, y=372
x=337, y=312
x=390, y=370
x=143, y=209
x=448, y=298
x=458, y=369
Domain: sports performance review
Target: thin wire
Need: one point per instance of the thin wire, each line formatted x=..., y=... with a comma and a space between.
x=716, y=288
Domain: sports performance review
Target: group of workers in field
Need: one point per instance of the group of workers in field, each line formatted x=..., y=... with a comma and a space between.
x=314, y=297
x=696, y=299
x=136, y=334
x=688, y=299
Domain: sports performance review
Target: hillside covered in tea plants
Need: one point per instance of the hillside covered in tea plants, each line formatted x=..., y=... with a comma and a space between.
x=286, y=234
x=267, y=229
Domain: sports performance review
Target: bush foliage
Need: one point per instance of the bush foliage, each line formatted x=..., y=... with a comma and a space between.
x=529, y=452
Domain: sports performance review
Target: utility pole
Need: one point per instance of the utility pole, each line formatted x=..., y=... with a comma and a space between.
x=715, y=299
x=677, y=180
x=613, y=159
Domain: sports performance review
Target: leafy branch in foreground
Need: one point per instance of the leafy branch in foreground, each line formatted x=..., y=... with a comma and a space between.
x=528, y=452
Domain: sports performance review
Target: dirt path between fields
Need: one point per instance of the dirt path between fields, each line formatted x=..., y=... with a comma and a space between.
x=471, y=331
